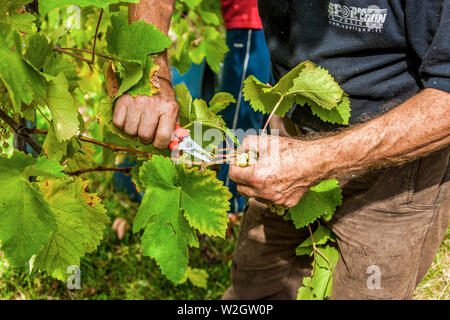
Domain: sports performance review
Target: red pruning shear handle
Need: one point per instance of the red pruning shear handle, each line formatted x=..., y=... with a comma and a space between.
x=181, y=140
x=178, y=135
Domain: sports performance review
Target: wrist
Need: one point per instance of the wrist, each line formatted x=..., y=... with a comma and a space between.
x=319, y=156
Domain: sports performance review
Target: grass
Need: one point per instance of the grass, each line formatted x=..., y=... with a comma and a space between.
x=436, y=284
x=118, y=269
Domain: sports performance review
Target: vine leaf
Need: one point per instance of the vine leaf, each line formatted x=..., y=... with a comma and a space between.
x=320, y=281
x=198, y=277
x=220, y=101
x=339, y=115
x=55, y=64
x=169, y=217
x=322, y=199
x=305, y=84
x=262, y=99
x=197, y=112
x=45, y=5
x=131, y=44
x=134, y=42
x=22, y=80
x=81, y=220
x=21, y=21
x=316, y=84
x=212, y=47
x=27, y=219
x=184, y=99
x=204, y=200
x=145, y=86
x=62, y=107
x=321, y=236
x=52, y=147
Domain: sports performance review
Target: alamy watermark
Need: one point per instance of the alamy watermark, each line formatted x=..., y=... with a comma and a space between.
x=74, y=280
x=374, y=279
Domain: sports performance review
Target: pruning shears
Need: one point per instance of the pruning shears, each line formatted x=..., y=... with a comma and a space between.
x=182, y=141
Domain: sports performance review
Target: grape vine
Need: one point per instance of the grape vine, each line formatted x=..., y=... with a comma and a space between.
x=57, y=75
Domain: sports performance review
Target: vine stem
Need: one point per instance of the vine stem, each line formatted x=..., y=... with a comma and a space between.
x=122, y=149
x=76, y=56
x=21, y=131
x=89, y=51
x=315, y=249
x=81, y=171
x=273, y=112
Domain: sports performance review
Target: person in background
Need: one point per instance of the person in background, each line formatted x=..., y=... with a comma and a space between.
x=248, y=55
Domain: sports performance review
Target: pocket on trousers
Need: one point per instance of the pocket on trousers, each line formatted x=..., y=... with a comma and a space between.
x=427, y=179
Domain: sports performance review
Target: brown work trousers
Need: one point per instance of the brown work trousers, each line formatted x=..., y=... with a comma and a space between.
x=390, y=226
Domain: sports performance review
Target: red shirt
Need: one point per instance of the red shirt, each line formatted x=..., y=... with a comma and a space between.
x=241, y=14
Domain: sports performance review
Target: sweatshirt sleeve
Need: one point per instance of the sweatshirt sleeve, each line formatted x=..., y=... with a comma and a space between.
x=428, y=34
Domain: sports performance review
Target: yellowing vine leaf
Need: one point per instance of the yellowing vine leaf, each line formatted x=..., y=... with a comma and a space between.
x=80, y=219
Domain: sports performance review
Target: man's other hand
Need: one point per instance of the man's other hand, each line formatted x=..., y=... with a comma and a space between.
x=285, y=170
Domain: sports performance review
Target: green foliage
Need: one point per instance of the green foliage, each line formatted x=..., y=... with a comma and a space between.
x=198, y=31
x=26, y=218
x=46, y=5
x=321, y=236
x=320, y=284
x=132, y=44
x=62, y=108
x=220, y=101
x=198, y=277
x=320, y=200
x=178, y=201
x=197, y=111
x=212, y=48
x=306, y=84
x=80, y=222
x=48, y=218
x=22, y=80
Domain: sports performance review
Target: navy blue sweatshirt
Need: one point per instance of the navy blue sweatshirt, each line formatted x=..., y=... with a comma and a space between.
x=381, y=52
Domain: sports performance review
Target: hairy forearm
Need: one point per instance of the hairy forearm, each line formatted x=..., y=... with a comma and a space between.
x=159, y=13
x=415, y=128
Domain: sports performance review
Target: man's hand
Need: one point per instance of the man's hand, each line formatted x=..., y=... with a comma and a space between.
x=285, y=170
x=286, y=167
x=152, y=119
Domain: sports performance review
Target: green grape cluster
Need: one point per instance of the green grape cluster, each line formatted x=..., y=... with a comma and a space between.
x=246, y=159
x=278, y=209
x=4, y=135
x=6, y=107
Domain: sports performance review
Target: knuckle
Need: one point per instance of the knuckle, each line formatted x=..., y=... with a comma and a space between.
x=146, y=138
x=116, y=122
x=170, y=109
x=130, y=130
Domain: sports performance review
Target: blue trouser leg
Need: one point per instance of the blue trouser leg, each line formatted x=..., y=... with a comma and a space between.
x=248, y=55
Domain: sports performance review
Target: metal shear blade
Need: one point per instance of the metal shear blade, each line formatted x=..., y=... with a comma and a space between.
x=190, y=146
